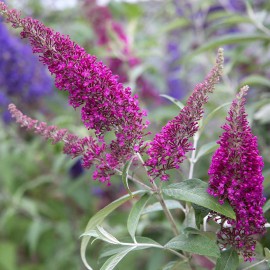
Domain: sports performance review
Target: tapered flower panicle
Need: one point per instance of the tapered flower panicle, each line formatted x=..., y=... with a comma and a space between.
x=92, y=151
x=106, y=104
x=236, y=175
x=169, y=147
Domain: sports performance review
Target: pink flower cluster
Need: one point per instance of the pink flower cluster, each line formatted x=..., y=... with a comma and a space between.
x=169, y=147
x=236, y=176
x=106, y=104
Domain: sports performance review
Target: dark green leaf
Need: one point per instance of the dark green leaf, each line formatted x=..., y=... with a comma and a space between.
x=210, y=235
x=194, y=243
x=228, y=260
x=194, y=191
x=200, y=213
x=135, y=213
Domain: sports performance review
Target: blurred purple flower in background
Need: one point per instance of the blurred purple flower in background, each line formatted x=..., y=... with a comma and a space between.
x=76, y=170
x=23, y=79
x=175, y=86
x=108, y=31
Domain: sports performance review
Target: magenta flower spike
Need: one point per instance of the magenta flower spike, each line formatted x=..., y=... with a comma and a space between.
x=105, y=104
x=92, y=151
x=236, y=175
x=169, y=147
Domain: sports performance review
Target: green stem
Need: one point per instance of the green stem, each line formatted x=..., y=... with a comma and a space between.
x=157, y=190
x=135, y=180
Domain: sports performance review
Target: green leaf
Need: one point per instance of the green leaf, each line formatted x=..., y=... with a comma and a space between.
x=8, y=256
x=234, y=19
x=125, y=176
x=200, y=214
x=228, y=39
x=210, y=235
x=135, y=213
x=35, y=231
x=171, y=204
x=228, y=260
x=177, y=265
x=176, y=24
x=98, y=218
x=194, y=243
x=211, y=115
x=266, y=206
x=190, y=219
x=144, y=242
x=194, y=191
x=263, y=114
x=174, y=100
x=106, y=236
x=267, y=253
x=114, y=260
x=206, y=149
x=255, y=80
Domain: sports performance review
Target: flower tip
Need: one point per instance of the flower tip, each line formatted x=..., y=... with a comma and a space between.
x=11, y=107
x=220, y=51
x=243, y=91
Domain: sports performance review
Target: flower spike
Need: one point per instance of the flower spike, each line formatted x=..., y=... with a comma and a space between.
x=169, y=147
x=236, y=175
x=106, y=104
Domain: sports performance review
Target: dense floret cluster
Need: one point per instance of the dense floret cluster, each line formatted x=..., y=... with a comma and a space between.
x=169, y=147
x=236, y=176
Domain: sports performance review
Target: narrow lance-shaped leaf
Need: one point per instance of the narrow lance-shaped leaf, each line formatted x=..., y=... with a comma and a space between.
x=194, y=190
x=256, y=80
x=98, y=219
x=114, y=260
x=225, y=40
x=125, y=176
x=177, y=102
x=142, y=243
x=171, y=204
x=135, y=213
x=211, y=115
